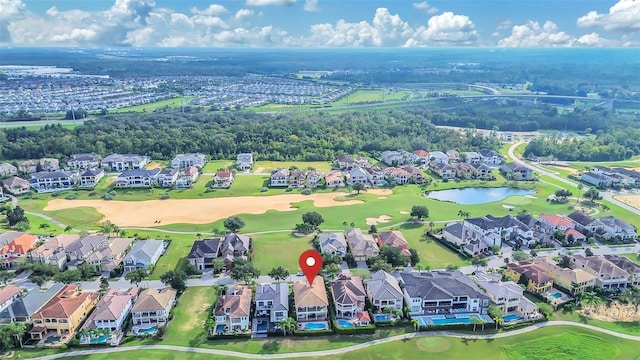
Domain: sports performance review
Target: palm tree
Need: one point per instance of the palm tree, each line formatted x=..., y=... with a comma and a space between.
x=345, y=223
x=18, y=329
x=288, y=325
x=461, y=214
x=415, y=324
x=475, y=321
x=68, y=228
x=498, y=320
x=579, y=189
x=431, y=224
x=591, y=298
x=208, y=325
x=482, y=322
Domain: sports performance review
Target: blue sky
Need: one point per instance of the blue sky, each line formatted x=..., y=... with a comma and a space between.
x=320, y=23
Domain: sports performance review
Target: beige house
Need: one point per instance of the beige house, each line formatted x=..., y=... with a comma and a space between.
x=53, y=250
x=564, y=277
x=311, y=302
x=153, y=306
x=362, y=246
x=234, y=309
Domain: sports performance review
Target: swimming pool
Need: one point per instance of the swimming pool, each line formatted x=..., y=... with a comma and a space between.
x=315, y=326
x=100, y=339
x=52, y=339
x=426, y=320
x=345, y=323
x=512, y=317
x=220, y=328
x=263, y=327
x=555, y=295
x=382, y=317
x=151, y=330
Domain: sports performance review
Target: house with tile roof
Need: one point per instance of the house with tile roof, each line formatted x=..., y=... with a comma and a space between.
x=358, y=175
x=443, y=169
x=233, y=310
x=53, y=251
x=555, y=222
x=333, y=243
x=167, y=177
x=223, y=179
x=472, y=157
x=536, y=278
x=442, y=292
x=108, y=255
x=334, y=178
x=397, y=176
x=143, y=254
x=629, y=266
x=122, y=162
x=15, y=245
x=153, y=306
x=490, y=157
x=8, y=295
x=396, y=239
x=515, y=171
x=582, y=221
x=608, y=227
x=64, y=313
x=483, y=171
x=438, y=157
x=361, y=246
x=203, y=252
x=7, y=169
x=507, y=295
x=272, y=303
x=396, y=158
x=571, y=280
x=345, y=162
x=421, y=157
x=135, y=178
x=313, y=179
x=16, y=185
x=349, y=299
x=383, y=290
x=608, y=275
x=416, y=176
x=49, y=164
x=297, y=178
x=23, y=307
x=28, y=166
x=187, y=177
x=464, y=170
x=244, y=161
x=311, y=302
x=111, y=311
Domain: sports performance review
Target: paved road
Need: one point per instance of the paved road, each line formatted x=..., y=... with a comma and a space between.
x=339, y=351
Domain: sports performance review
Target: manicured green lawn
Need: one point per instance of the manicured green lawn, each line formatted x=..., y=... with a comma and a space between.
x=150, y=107
x=78, y=218
x=361, y=96
x=633, y=257
x=582, y=165
x=279, y=249
x=187, y=327
x=267, y=166
x=213, y=165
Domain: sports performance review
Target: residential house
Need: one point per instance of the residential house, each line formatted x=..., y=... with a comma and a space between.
x=345, y=162
x=483, y=171
x=8, y=295
x=182, y=161
x=187, y=177
x=23, y=307
x=583, y=222
x=453, y=155
x=597, y=180
x=536, y=278
x=608, y=275
x=108, y=255
x=395, y=239
x=397, y=176
x=421, y=157
x=384, y=291
x=507, y=136
x=515, y=171
x=490, y=157
x=555, y=222
x=438, y=157
x=153, y=306
x=48, y=181
x=333, y=243
x=334, y=178
x=80, y=249
x=311, y=302
x=203, y=252
x=235, y=246
x=143, y=255
x=15, y=245
x=7, y=169
x=49, y=164
x=280, y=177
x=468, y=240
x=137, y=178
x=464, y=171
x=90, y=177
x=442, y=292
x=313, y=179
x=572, y=280
x=122, y=162
x=83, y=161
x=16, y=185
x=244, y=161
x=629, y=266
x=494, y=230
x=27, y=166
x=223, y=179
x=53, y=251
x=361, y=161
x=167, y=177
x=395, y=158
x=444, y=170
x=112, y=310
x=358, y=175
x=64, y=313
x=577, y=235
x=272, y=303
x=416, y=176
x=610, y=226
x=297, y=178
x=349, y=299
x=507, y=295
x=376, y=175
x=362, y=246
x=233, y=309
x=473, y=157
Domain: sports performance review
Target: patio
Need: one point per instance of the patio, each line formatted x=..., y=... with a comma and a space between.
x=556, y=297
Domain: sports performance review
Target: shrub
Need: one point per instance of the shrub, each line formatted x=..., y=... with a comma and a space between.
x=306, y=192
x=165, y=196
x=92, y=193
x=56, y=194
x=107, y=196
x=264, y=189
x=71, y=197
x=289, y=190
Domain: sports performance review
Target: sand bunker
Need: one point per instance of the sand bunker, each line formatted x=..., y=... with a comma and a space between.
x=631, y=200
x=508, y=207
x=530, y=196
x=380, y=219
x=382, y=197
x=616, y=312
x=404, y=212
x=198, y=211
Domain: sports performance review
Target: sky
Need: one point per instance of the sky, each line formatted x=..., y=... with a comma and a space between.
x=320, y=23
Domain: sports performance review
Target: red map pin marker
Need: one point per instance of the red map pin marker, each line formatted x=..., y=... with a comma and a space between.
x=310, y=263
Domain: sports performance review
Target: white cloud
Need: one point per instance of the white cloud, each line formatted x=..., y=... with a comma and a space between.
x=624, y=16
x=270, y=2
x=504, y=25
x=592, y=39
x=448, y=29
x=11, y=8
x=424, y=6
x=243, y=13
x=210, y=21
x=532, y=34
x=311, y=6
x=213, y=9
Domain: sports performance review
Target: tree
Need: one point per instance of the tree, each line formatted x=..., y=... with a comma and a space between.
x=545, y=309
x=580, y=186
x=68, y=277
x=312, y=218
x=332, y=270
x=592, y=194
x=6, y=276
x=479, y=261
x=16, y=216
x=380, y=264
x=414, y=258
x=17, y=330
x=588, y=252
x=218, y=265
x=373, y=229
x=431, y=225
x=358, y=187
x=38, y=280
x=44, y=226
x=563, y=194
x=287, y=325
x=68, y=228
x=564, y=262
x=136, y=276
x=175, y=278
x=243, y=271
x=279, y=273
x=419, y=211
x=233, y=224
x=393, y=256
x=591, y=298
x=475, y=321
x=108, y=228
x=415, y=324
x=345, y=223
x=496, y=313
x=304, y=228
x=519, y=256
x=86, y=270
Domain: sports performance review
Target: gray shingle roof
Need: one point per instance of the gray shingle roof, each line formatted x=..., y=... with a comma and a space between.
x=439, y=285
x=278, y=293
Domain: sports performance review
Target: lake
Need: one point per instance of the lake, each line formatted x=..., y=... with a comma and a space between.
x=473, y=196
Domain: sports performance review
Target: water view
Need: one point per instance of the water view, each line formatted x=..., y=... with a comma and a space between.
x=473, y=196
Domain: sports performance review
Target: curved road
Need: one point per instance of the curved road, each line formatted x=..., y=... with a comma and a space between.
x=338, y=351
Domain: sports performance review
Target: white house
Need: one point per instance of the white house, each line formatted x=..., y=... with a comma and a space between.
x=7, y=169
x=143, y=254
x=280, y=178
x=120, y=162
x=47, y=181
x=83, y=161
x=112, y=310
x=244, y=161
x=358, y=175
x=181, y=161
x=90, y=177
x=272, y=301
x=137, y=178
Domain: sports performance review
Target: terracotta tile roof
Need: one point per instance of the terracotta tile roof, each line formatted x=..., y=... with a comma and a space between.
x=363, y=316
x=532, y=271
x=237, y=301
x=393, y=238
x=20, y=245
x=8, y=292
x=305, y=296
x=575, y=233
x=422, y=153
x=65, y=303
x=223, y=173
x=154, y=299
x=347, y=289
x=111, y=306
x=556, y=220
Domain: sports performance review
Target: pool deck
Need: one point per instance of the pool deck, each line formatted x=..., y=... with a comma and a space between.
x=556, y=301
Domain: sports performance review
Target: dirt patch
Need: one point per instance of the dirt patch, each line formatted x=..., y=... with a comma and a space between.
x=404, y=212
x=198, y=211
x=259, y=170
x=571, y=170
x=614, y=312
x=153, y=165
x=379, y=220
x=631, y=200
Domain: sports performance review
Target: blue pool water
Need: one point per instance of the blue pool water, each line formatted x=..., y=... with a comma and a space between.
x=345, y=323
x=52, y=339
x=150, y=330
x=263, y=327
x=556, y=295
x=513, y=317
x=101, y=339
x=314, y=326
x=220, y=329
x=382, y=317
x=440, y=320
x=473, y=196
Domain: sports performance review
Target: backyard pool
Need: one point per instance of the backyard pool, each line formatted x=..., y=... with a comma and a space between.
x=52, y=339
x=263, y=327
x=151, y=330
x=474, y=196
x=435, y=320
x=220, y=328
x=512, y=317
x=382, y=317
x=555, y=295
x=101, y=339
x=345, y=323
x=315, y=326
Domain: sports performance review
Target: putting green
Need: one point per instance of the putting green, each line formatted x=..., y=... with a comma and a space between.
x=517, y=200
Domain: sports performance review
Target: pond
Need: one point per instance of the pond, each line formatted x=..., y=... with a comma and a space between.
x=473, y=196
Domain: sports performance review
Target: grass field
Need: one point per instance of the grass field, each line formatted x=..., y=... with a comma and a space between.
x=267, y=166
x=279, y=249
x=213, y=165
x=150, y=107
x=633, y=257
x=187, y=326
